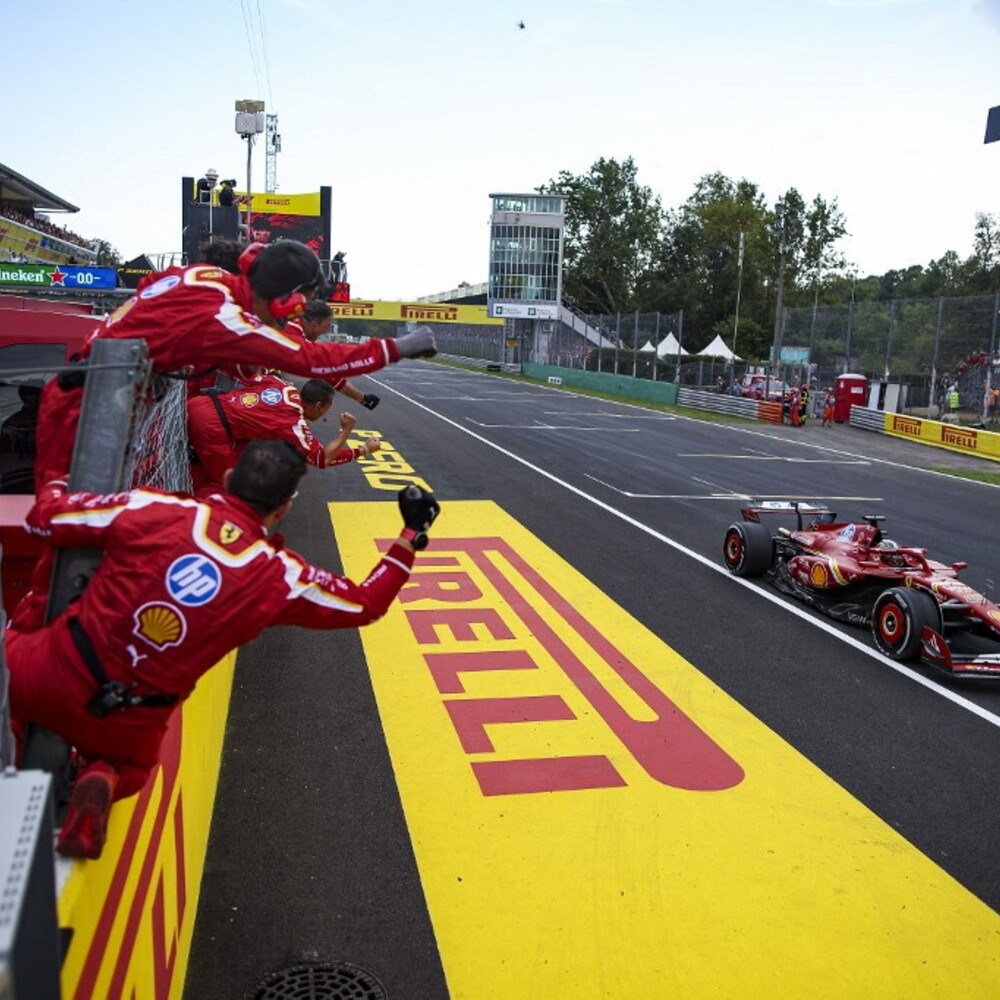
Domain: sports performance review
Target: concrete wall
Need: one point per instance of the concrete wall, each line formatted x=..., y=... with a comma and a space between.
x=616, y=385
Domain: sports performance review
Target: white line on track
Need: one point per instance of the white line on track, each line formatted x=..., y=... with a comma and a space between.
x=556, y=427
x=791, y=609
x=721, y=494
x=758, y=457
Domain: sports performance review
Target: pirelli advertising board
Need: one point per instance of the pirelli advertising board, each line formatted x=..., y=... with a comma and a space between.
x=413, y=312
x=968, y=440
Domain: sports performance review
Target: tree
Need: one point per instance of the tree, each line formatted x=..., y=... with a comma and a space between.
x=107, y=255
x=984, y=264
x=697, y=267
x=612, y=232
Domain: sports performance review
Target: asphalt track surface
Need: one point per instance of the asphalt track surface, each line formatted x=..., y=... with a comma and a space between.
x=310, y=855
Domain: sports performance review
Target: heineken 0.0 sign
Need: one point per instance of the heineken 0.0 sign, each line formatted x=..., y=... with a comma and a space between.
x=57, y=276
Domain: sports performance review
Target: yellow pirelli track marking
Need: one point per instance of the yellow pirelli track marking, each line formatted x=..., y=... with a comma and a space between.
x=592, y=817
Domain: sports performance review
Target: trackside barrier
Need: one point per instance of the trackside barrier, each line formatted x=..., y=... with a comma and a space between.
x=717, y=402
x=966, y=440
x=656, y=392
x=614, y=385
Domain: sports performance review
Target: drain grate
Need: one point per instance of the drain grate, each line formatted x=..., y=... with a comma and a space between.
x=318, y=981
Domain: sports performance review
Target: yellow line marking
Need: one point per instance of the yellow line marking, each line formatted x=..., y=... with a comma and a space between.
x=593, y=817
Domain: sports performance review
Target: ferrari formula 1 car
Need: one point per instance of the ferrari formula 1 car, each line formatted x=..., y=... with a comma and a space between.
x=917, y=608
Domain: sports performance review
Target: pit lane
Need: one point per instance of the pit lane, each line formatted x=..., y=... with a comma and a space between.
x=638, y=503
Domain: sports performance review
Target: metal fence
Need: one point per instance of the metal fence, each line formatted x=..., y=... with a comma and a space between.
x=925, y=344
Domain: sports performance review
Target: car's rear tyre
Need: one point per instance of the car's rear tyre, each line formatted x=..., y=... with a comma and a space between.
x=748, y=549
x=898, y=620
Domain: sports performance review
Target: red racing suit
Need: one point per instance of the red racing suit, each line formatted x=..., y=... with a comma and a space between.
x=196, y=316
x=182, y=582
x=267, y=407
x=293, y=329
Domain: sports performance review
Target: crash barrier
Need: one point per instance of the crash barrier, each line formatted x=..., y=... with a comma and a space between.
x=975, y=441
x=718, y=402
x=657, y=392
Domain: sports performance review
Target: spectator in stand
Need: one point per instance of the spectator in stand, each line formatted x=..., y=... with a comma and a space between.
x=220, y=426
x=44, y=226
x=199, y=317
x=991, y=404
x=182, y=582
x=316, y=321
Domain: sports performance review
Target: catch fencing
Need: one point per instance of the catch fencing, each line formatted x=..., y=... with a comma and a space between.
x=926, y=344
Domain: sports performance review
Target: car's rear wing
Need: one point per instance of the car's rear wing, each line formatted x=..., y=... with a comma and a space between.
x=805, y=513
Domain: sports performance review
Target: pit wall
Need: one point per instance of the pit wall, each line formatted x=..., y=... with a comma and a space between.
x=129, y=916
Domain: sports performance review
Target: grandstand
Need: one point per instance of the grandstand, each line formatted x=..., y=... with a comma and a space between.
x=27, y=235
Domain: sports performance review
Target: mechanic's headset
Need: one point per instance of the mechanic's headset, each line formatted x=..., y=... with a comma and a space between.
x=289, y=306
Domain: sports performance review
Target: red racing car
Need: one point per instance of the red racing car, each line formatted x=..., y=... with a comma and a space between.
x=917, y=608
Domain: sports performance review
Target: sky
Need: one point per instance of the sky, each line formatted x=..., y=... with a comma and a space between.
x=414, y=113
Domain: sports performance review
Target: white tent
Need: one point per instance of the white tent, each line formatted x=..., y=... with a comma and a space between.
x=648, y=346
x=718, y=349
x=669, y=347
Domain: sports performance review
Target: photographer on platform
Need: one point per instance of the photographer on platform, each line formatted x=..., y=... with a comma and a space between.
x=227, y=193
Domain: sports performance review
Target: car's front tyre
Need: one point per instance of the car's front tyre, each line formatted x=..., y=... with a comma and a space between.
x=898, y=621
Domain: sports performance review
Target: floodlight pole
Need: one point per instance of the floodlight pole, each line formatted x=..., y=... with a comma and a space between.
x=249, y=139
x=736, y=322
x=249, y=124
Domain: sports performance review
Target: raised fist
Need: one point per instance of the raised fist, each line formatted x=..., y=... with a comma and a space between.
x=419, y=509
x=419, y=344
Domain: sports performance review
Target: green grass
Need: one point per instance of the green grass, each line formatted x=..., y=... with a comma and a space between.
x=993, y=478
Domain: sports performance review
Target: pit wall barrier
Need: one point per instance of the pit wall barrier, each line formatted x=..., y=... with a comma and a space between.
x=966, y=440
x=656, y=392
x=129, y=916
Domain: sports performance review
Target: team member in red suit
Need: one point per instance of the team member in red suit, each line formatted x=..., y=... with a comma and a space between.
x=220, y=425
x=201, y=316
x=311, y=325
x=182, y=582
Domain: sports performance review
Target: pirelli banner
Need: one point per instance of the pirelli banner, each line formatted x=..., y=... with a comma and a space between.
x=968, y=440
x=413, y=312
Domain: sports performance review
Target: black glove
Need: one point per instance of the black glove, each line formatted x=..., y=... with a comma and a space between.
x=419, y=509
x=419, y=344
x=370, y=401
